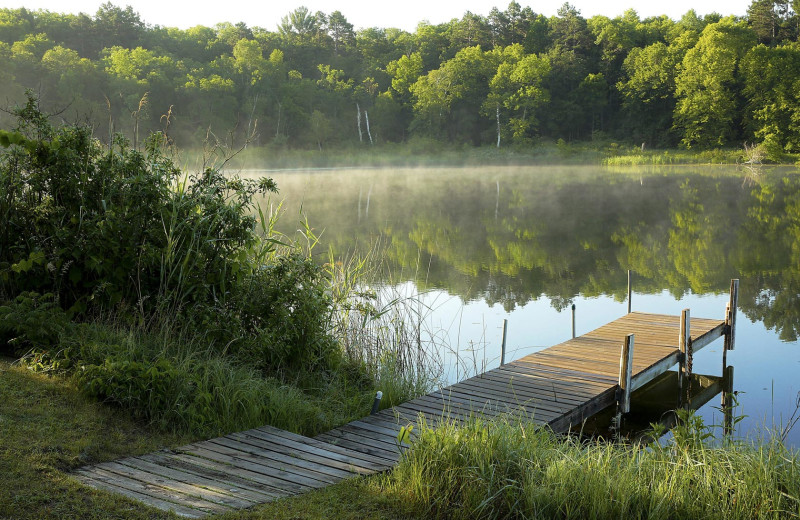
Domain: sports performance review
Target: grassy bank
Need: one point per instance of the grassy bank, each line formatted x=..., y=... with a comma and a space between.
x=483, y=470
x=48, y=427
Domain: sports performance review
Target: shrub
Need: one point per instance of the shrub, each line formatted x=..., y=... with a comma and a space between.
x=31, y=321
x=286, y=312
x=114, y=226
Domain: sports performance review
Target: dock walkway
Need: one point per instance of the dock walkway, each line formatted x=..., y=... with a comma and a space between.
x=559, y=387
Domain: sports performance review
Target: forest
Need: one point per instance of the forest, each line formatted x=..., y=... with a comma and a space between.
x=512, y=78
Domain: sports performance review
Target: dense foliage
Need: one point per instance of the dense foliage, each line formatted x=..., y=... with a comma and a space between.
x=170, y=294
x=159, y=291
x=512, y=76
x=116, y=225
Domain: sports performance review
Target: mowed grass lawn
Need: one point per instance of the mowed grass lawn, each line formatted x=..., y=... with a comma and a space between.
x=47, y=429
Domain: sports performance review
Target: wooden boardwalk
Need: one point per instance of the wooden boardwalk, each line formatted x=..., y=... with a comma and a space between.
x=231, y=472
x=558, y=387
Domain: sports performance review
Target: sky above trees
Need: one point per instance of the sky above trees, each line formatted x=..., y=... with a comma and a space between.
x=403, y=15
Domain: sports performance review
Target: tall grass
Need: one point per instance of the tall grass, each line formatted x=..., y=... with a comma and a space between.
x=636, y=157
x=381, y=328
x=505, y=469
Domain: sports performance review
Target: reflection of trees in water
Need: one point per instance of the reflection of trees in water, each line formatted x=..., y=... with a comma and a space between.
x=556, y=236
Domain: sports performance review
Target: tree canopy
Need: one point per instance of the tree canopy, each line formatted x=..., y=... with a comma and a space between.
x=510, y=77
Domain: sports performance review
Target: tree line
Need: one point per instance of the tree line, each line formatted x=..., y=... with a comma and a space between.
x=509, y=78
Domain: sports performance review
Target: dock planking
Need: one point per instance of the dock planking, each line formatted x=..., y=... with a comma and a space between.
x=559, y=387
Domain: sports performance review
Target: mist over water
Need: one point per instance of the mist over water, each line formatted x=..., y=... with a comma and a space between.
x=477, y=246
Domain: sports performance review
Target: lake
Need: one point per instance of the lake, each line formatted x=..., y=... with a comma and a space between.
x=477, y=246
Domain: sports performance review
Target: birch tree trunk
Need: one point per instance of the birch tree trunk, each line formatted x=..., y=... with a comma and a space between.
x=360, y=135
x=498, y=124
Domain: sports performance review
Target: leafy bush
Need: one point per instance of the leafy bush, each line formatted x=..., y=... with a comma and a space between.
x=31, y=321
x=116, y=226
x=286, y=313
x=188, y=316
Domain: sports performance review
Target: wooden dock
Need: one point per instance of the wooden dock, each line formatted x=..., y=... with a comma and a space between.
x=559, y=387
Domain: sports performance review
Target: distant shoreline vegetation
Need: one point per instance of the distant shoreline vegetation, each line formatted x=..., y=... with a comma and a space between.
x=511, y=80
x=427, y=155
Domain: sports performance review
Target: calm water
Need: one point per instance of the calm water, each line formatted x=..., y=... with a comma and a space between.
x=481, y=245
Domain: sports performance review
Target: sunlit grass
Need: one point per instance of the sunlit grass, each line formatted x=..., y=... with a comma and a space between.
x=504, y=469
x=47, y=429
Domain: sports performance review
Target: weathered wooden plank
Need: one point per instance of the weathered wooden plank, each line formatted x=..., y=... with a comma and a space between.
x=319, y=462
x=225, y=473
x=194, y=479
x=251, y=450
x=527, y=385
x=532, y=362
x=556, y=402
x=281, y=478
x=411, y=410
x=177, y=486
x=152, y=490
x=645, y=376
x=538, y=375
x=708, y=337
x=363, y=459
x=365, y=438
x=345, y=439
x=384, y=419
x=329, y=455
x=240, y=470
x=518, y=395
x=377, y=428
x=149, y=500
x=494, y=407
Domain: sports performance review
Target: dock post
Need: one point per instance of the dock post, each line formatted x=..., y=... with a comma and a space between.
x=727, y=400
x=503, y=345
x=684, y=337
x=573, y=321
x=730, y=316
x=625, y=373
x=629, y=291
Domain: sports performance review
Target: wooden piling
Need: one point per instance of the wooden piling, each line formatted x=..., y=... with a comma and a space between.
x=629, y=291
x=573, y=321
x=503, y=345
x=727, y=400
x=730, y=316
x=683, y=345
x=625, y=374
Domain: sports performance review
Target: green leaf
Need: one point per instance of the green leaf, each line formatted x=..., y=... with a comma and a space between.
x=404, y=437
